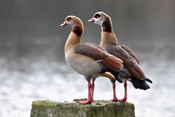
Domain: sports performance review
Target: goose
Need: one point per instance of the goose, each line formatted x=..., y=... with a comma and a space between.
x=132, y=70
x=88, y=59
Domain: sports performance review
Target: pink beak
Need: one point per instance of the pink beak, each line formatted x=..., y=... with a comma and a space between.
x=91, y=20
x=63, y=24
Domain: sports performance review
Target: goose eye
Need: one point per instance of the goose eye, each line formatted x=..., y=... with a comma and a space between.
x=97, y=16
x=69, y=18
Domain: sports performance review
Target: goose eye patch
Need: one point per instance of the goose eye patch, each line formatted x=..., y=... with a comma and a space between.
x=97, y=16
x=69, y=18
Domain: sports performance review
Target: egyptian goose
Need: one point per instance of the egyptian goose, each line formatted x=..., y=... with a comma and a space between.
x=88, y=59
x=132, y=70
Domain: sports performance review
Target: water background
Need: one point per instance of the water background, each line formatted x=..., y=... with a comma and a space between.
x=32, y=65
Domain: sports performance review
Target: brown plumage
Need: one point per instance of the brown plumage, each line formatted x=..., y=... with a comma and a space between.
x=88, y=59
x=95, y=52
x=132, y=69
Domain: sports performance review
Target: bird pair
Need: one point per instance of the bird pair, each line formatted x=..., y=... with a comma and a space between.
x=108, y=59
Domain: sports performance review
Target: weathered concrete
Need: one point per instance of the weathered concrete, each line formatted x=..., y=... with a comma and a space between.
x=46, y=108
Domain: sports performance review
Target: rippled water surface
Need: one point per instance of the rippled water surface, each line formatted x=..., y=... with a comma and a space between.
x=25, y=80
x=32, y=65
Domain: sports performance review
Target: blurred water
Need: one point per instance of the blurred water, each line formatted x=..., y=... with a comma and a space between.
x=29, y=78
x=32, y=65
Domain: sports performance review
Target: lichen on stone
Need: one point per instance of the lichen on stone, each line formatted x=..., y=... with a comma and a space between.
x=99, y=108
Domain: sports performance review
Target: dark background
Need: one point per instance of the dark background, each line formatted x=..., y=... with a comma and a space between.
x=32, y=65
x=31, y=27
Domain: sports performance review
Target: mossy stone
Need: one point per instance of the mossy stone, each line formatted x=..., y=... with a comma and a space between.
x=99, y=108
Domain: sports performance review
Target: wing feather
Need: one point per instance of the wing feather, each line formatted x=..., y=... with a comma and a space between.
x=130, y=52
x=99, y=54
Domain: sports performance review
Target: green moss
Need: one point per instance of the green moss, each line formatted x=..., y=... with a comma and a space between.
x=101, y=108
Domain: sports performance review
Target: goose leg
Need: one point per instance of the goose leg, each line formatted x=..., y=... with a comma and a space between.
x=89, y=100
x=92, y=88
x=125, y=95
x=114, y=95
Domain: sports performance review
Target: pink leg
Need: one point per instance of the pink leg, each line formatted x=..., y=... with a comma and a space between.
x=92, y=88
x=114, y=95
x=125, y=95
x=89, y=100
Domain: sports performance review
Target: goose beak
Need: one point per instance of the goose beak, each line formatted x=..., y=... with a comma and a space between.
x=91, y=20
x=63, y=24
